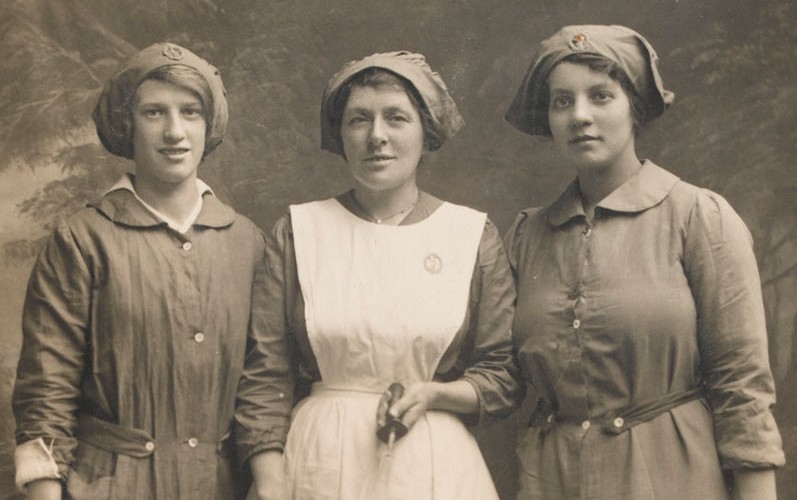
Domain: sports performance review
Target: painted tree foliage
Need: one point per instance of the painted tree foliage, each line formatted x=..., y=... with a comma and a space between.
x=731, y=129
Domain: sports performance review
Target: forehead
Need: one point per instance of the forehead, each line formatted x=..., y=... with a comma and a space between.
x=155, y=91
x=378, y=98
x=568, y=76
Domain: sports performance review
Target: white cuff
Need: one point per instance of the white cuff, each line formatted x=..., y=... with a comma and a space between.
x=34, y=460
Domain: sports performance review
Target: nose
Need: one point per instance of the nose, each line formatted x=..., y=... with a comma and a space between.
x=378, y=132
x=173, y=131
x=581, y=113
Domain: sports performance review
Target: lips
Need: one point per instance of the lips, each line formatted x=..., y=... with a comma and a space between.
x=380, y=158
x=583, y=138
x=173, y=152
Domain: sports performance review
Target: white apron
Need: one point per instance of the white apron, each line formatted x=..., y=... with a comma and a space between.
x=382, y=304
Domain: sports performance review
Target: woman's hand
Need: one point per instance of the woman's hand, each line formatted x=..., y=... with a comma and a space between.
x=458, y=397
x=409, y=408
x=44, y=489
x=268, y=477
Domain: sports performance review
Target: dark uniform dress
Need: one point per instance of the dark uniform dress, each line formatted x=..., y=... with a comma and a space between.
x=134, y=343
x=642, y=335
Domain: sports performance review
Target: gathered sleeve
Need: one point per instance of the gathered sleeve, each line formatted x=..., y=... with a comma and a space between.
x=47, y=389
x=490, y=365
x=723, y=275
x=265, y=392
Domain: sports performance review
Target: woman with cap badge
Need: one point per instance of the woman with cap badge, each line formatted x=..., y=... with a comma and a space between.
x=140, y=309
x=639, y=327
x=384, y=285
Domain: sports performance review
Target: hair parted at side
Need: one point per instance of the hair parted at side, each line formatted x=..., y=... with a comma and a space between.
x=382, y=78
x=441, y=118
x=166, y=62
x=635, y=67
x=541, y=99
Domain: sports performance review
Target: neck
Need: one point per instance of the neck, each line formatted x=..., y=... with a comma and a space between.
x=597, y=184
x=387, y=206
x=173, y=200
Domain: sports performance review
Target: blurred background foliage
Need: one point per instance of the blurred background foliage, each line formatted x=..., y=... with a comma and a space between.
x=731, y=129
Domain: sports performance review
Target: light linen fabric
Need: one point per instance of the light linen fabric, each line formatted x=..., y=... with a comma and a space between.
x=382, y=304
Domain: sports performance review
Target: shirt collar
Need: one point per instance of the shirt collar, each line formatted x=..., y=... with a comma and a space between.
x=126, y=182
x=121, y=204
x=646, y=189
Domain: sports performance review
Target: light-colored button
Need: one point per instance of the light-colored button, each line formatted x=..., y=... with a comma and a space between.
x=585, y=424
x=588, y=232
x=187, y=246
x=199, y=337
x=618, y=422
x=281, y=395
x=549, y=419
x=576, y=324
x=192, y=442
x=149, y=446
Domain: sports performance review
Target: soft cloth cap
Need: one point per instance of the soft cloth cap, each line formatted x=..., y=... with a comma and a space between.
x=110, y=113
x=413, y=67
x=625, y=47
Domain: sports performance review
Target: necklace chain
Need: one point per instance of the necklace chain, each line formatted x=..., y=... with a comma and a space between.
x=380, y=220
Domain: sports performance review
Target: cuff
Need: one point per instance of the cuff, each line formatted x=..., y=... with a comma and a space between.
x=34, y=460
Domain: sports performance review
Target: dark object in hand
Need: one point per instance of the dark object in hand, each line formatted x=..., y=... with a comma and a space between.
x=394, y=428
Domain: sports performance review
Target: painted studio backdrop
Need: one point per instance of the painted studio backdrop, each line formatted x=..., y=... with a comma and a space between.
x=732, y=127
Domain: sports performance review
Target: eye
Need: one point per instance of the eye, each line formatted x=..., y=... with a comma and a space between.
x=193, y=113
x=356, y=120
x=151, y=112
x=561, y=101
x=602, y=96
x=398, y=118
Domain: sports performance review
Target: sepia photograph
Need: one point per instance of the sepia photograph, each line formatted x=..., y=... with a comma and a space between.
x=432, y=250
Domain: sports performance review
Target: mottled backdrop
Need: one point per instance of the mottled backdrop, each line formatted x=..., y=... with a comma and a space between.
x=731, y=64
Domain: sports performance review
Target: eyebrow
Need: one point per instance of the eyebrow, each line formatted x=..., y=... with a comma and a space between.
x=597, y=86
x=157, y=102
x=389, y=109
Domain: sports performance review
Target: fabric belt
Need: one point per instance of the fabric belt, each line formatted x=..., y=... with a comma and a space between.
x=127, y=440
x=617, y=423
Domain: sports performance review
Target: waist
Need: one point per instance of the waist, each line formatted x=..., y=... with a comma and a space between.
x=321, y=389
x=619, y=421
x=138, y=443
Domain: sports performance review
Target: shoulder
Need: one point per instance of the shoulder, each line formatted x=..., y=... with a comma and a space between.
x=245, y=224
x=491, y=248
x=707, y=211
x=82, y=224
x=528, y=216
x=520, y=229
x=712, y=214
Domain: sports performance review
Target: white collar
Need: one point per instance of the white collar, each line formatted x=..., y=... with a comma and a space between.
x=126, y=183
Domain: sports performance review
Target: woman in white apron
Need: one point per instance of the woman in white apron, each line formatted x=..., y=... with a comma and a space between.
x=382, y=284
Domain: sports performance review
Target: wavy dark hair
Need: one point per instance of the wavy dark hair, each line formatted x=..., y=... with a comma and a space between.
x=603, y=65
x=374, y=77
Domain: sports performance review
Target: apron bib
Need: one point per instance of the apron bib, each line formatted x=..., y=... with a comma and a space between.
x=382, y=305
